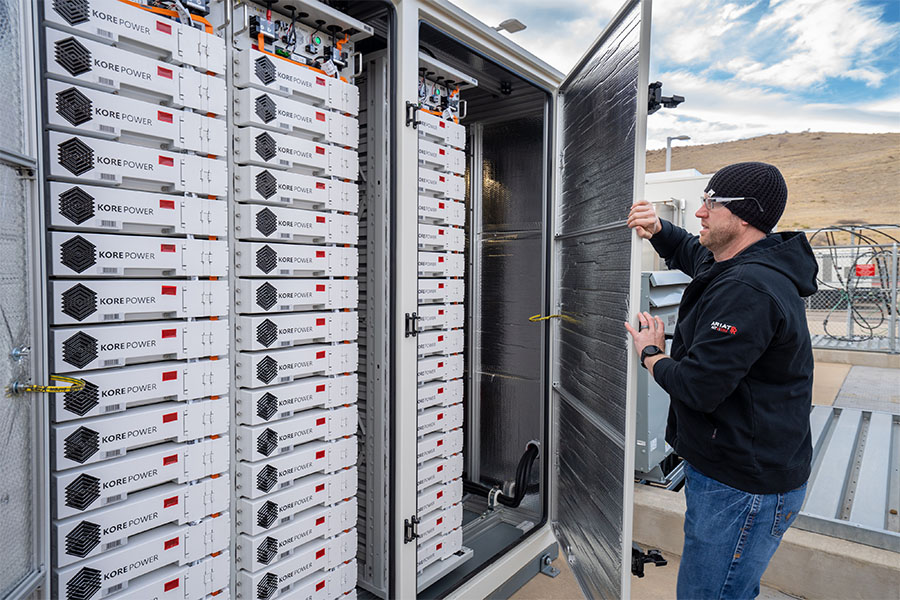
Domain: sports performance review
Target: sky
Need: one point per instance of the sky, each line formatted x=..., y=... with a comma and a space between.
x=745, y=67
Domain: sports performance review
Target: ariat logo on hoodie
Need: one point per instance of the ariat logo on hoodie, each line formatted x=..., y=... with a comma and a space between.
x=723, y=327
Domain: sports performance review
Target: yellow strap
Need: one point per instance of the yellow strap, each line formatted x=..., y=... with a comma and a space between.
x=76, y=386
x=538, y=317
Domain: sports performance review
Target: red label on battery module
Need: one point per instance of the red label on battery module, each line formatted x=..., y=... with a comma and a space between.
x=169, y=333
x=320, y=520
x=440, y=232
x=442, y=152
x=169, y=417
x=320, y=387
x=439, y=521
x=170, y=204
x=442, y=124
x=166, y=161
x=163, y=72
x=440, y=205
x=320, y=454
x=440, y=416
x=320, y=421
x=171, y=585
x=439, y=546
x=171, y=543
x=440, y=365
x=440, y=286
x=440, y=390
x=320, y=553
x=320, y=585
x=320, y=354
x=320, y=219
x=320, y=116
x=440, y=259
x=441, y=179
x=440, y=442
x=441, y=312
x=440, y=494
x=170, y=502
x=169, y=290
x=440, y=468
x=320, y=287
x=165, y=28
x=320, y=322
x=167, y=247
x=440, y=338
x=170, y=375
x=320, y=150
x=320, y=185
x=319, y=488
x=320, y=81
x=170, y=460
x=164, y=116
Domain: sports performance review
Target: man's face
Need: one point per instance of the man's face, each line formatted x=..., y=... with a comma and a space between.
x=718, y=227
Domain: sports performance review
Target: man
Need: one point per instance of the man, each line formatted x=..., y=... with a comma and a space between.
x=739, y=376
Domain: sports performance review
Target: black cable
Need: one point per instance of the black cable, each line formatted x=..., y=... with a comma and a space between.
x=523, y=474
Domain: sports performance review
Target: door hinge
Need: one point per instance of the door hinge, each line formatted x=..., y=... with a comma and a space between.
x=410, y=529
x=412, y=115
x=412, y=325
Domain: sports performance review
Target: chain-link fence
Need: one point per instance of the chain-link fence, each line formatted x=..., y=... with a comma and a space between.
x=856, y=305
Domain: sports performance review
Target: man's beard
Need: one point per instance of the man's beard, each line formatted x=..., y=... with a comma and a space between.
x=719, y=239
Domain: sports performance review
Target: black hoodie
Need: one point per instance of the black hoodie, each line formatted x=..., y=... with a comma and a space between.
x=740, y=376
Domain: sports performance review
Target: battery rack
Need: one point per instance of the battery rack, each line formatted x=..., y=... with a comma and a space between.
x=138, y=260
x=294, y=210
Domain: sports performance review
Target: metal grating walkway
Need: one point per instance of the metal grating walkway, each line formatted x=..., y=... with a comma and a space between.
x=854, y=489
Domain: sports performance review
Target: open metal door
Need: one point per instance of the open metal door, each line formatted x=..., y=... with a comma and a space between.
x=601, y=136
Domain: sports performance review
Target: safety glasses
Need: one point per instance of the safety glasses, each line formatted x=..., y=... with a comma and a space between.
x=710, y=202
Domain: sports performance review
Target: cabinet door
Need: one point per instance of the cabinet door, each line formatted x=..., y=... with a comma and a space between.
x=22, y=500
x=601, y=135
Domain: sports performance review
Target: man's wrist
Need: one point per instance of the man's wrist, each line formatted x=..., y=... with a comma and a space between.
x=650, y=361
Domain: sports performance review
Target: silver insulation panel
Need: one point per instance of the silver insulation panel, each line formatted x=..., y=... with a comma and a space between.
x=600, y=116
x=511, y=286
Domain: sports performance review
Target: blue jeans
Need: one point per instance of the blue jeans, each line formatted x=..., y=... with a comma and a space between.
x=730, y=536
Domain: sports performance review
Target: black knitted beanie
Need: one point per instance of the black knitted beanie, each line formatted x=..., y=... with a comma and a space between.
x=753, y=180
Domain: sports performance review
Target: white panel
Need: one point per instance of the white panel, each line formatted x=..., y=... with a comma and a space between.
x=441, y=237
x=276, y=113
x=257, y=369
x=440, y=418
x=441, y=316
x=255, y=259
x=283, y=188
x=288, y=295
x=268, y=404
x=280, y=151
x=259, y=442
x=199, y=580
x=441, y=264
x=255, y=222
x=441, y=290
x=441, y=211
x=281, y=331
x=441, y=130
x=440, y=367
x=439, y=341
x=440, y=393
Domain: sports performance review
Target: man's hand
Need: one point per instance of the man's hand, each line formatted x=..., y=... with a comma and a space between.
x=643, y=219
x=652, y=332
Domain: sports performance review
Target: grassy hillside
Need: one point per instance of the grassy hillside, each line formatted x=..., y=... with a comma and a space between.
x=833, y=178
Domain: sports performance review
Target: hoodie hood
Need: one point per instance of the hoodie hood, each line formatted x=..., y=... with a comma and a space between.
x=788, y=253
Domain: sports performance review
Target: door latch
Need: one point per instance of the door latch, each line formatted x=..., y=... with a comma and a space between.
x=412, y=325
x=410, y=529
x=412, y=115
x=639, y=558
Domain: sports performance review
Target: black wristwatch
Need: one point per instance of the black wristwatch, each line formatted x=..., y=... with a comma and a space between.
x=650, y=350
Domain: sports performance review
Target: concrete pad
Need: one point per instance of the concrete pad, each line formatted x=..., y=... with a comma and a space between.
x=851, y=357
x=807, y=565
x=870, y=388
x=827, y=381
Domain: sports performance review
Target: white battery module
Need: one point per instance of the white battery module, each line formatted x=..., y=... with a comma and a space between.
x=440, y=341
x=441, y=264
x=439, y=418
x=255, y=108
x=441, y=237
x=441, y=211
x=439, y=470
x=256, y=259
x=280, y=577
x=136, y=256
x=280, y=151
x=441, y=290
x=267, y=72
x=258, y=222
x=111, y=436
x=440, y=316
x=109, y=528
x=294, y=329
x=79, y=60
x=114, y=210
x=146, y=552
x=110, y=116
x=441, y=130
x=115, y=390
x=290, y=295
x=255, y=480
x=259, y=551
x=255, y=407
x=103, y=346
x=283, y=188
x=439, y=522
x=111, y=21
x=440, y=367
x=259, y=442
x=257, y=369
x=257, y=516
x=442, y=184
x=438, y=548
x=439, y=496
x=440, y=393
x=111, y=300
x=87, y=160
x=94, y=486
x=207, y=578
x=439, y=443
x=442, y=157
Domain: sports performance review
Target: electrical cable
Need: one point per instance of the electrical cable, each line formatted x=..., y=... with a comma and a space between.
x=868, y=251
x=523, y=475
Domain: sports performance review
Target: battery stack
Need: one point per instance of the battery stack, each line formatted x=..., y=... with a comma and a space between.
x=135, y=142
x=441, y=314
x=296, y=293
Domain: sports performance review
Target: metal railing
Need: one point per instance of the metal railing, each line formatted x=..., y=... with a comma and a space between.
x=856, y=305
